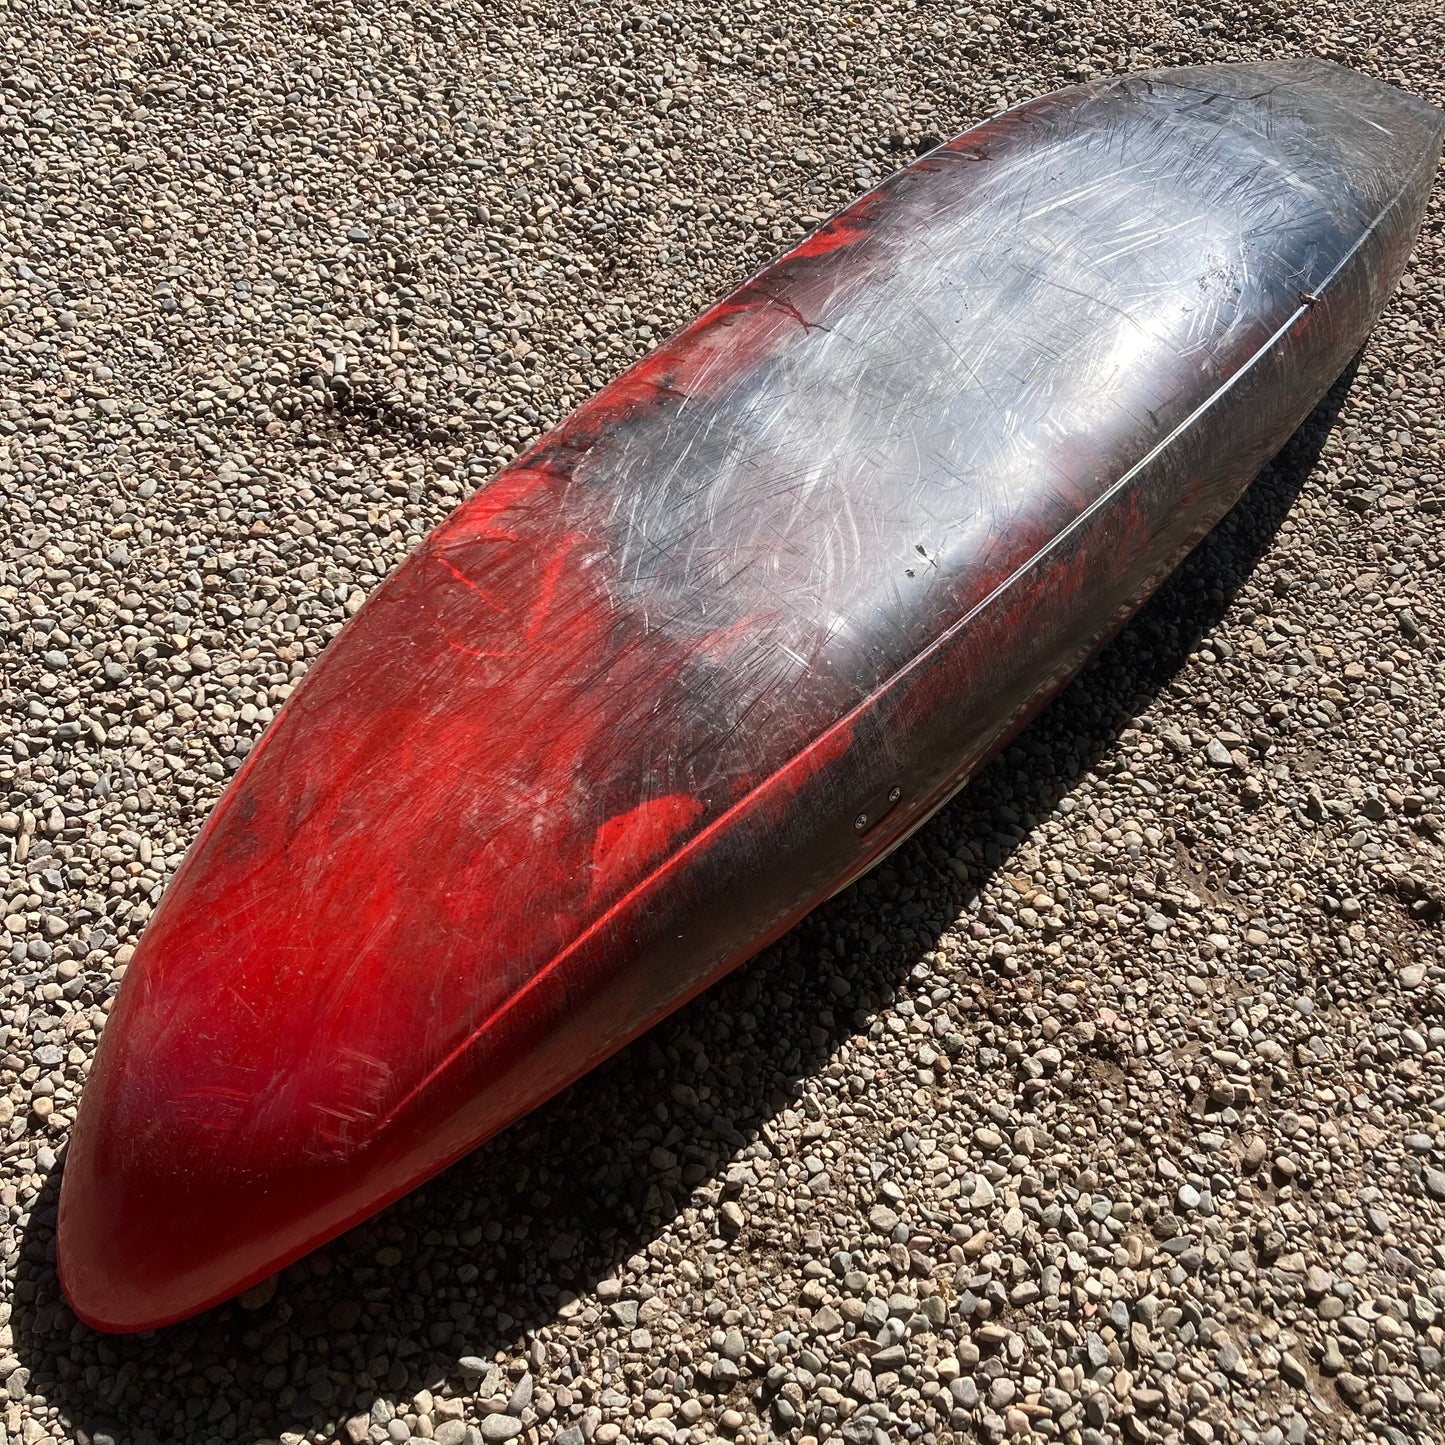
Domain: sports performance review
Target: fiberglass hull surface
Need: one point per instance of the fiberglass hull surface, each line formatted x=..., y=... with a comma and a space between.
x=724, y=637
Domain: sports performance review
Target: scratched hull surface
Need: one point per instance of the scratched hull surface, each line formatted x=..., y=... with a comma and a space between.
x=723, y=638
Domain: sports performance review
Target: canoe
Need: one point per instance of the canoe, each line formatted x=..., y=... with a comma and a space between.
x=718, y=643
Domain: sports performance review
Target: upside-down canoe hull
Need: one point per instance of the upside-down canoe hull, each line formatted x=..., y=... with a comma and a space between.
x=720, y=641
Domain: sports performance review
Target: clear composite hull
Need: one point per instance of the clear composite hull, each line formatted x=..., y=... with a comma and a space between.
x=721, y=640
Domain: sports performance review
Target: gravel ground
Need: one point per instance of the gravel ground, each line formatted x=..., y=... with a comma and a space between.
x=1113, y=1108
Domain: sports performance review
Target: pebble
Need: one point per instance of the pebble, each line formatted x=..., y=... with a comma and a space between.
x=1218, y=754
x=1351, y=1387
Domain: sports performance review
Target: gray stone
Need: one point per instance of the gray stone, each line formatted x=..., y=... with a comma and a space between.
x=1218, y=754
x=731, y=1219
x=965, y=1392
x=497, y=1428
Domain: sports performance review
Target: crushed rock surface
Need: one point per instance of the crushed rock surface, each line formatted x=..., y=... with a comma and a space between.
x=1111, y=1109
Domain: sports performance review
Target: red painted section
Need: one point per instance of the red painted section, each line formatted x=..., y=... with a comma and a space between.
x=442, y=764
x=642, y=833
